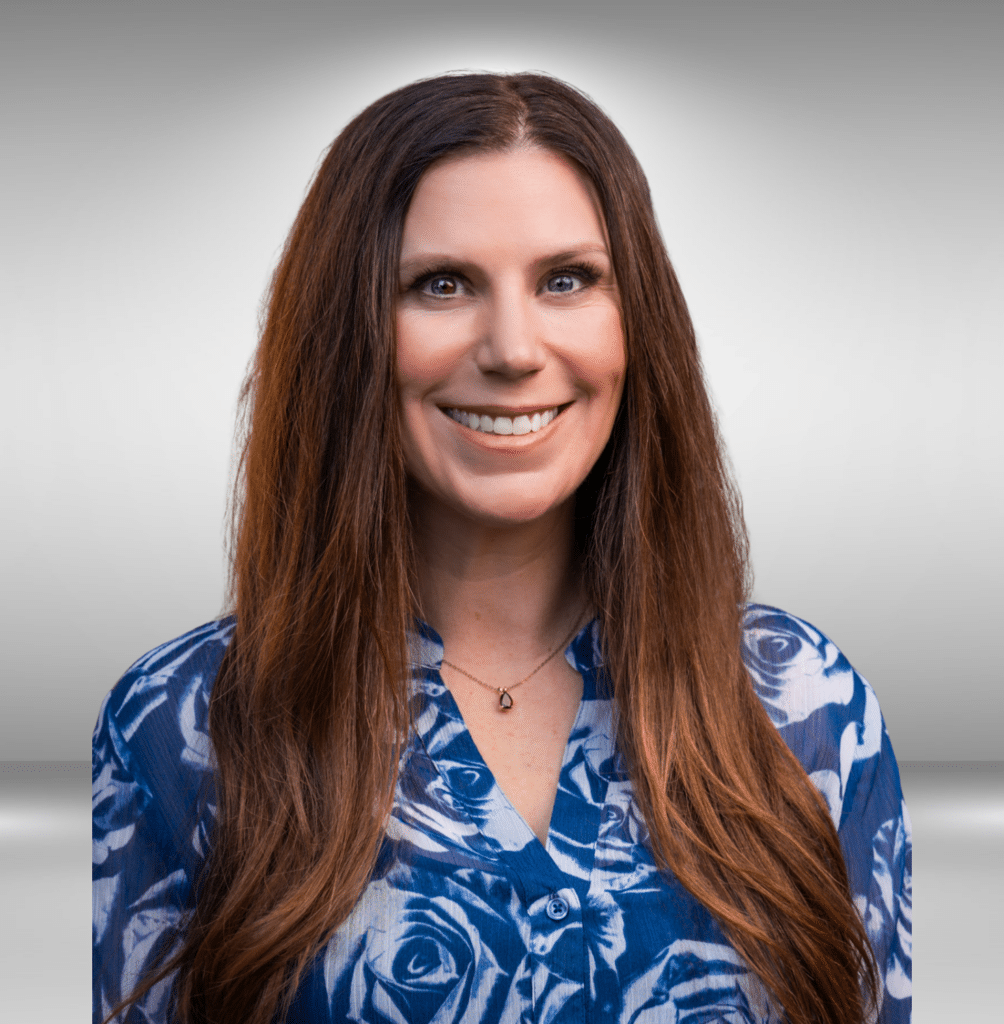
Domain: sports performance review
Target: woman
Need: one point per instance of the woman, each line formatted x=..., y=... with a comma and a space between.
x=479, y=438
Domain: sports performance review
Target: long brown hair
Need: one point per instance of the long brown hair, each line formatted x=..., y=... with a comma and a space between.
x=307, y=713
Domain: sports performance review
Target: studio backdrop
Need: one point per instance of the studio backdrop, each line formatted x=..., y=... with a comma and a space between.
x=828, y=180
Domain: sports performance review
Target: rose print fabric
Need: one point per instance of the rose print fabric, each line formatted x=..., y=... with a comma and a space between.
x=468, y=918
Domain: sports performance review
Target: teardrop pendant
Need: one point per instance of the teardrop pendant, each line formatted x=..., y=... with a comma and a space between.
x=505, y=700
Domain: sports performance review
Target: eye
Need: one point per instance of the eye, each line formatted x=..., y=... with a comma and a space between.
x=562, y=283
x=572, y=279
x=441, y=286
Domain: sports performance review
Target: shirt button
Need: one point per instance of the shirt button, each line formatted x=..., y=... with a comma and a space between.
x=557, y=908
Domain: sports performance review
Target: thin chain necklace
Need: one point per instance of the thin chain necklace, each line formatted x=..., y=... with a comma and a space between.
x=506, y=702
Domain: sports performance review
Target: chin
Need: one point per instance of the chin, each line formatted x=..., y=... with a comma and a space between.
x=515, y=511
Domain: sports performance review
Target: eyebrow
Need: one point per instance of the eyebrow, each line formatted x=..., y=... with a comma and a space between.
x=431, y=260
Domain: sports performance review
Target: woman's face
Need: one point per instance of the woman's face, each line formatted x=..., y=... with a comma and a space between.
x=510, y=351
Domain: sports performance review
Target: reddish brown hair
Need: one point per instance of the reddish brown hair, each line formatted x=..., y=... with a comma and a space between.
x=307, y=715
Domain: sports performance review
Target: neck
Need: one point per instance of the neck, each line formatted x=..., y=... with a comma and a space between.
x=510, y=588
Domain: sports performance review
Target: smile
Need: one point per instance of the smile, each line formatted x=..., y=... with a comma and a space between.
x=485, y=424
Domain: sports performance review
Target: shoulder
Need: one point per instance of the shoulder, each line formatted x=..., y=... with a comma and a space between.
x=158, y=710
x=829, y=716
x=824, y=709
x=796, y=669
x=196, y=652
x=152, y=806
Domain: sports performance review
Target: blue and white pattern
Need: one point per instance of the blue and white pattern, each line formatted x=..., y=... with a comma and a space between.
x=468, y=918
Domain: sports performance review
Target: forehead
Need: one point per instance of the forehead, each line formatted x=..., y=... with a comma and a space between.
x=526, y=196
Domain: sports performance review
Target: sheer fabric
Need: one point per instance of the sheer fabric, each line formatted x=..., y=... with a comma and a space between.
x=468, y=918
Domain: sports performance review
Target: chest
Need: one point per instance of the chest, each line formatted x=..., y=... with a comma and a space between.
x=469, y=918
x=523, y=747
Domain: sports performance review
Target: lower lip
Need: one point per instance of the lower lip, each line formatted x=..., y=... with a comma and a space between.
x=496, y=442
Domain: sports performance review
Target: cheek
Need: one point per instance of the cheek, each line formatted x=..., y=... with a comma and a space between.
x=603, y=361
x=411, y=354
x=420, y=364
x=427, y=350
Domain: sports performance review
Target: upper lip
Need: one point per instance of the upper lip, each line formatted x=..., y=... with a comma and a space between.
x=502, y=410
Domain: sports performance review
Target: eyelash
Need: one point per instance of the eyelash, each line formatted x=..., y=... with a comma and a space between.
x=588, y=274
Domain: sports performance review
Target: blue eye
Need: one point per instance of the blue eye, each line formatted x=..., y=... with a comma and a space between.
x=572, y=279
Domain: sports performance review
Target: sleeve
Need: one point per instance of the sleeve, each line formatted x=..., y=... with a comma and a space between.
x=829, y=716
x=876, y=840
x=137, y=893
x=151, y=812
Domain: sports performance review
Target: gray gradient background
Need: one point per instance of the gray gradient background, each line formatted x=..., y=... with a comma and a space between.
x=828, y=179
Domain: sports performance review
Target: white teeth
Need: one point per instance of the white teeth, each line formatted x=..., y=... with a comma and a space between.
x=502, y=424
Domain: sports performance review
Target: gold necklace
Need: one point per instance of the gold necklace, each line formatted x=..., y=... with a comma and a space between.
x=505, y=697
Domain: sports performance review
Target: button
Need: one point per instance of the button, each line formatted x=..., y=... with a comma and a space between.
x=557, y=908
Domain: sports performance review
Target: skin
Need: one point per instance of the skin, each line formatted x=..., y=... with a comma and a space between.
x=507, y=305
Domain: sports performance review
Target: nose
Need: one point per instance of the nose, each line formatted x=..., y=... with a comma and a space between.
x=512, y=343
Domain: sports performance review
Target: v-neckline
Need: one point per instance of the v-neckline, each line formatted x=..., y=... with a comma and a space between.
x=566, y=858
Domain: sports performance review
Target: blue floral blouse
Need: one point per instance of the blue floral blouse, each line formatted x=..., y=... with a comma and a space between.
x=468, y=918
